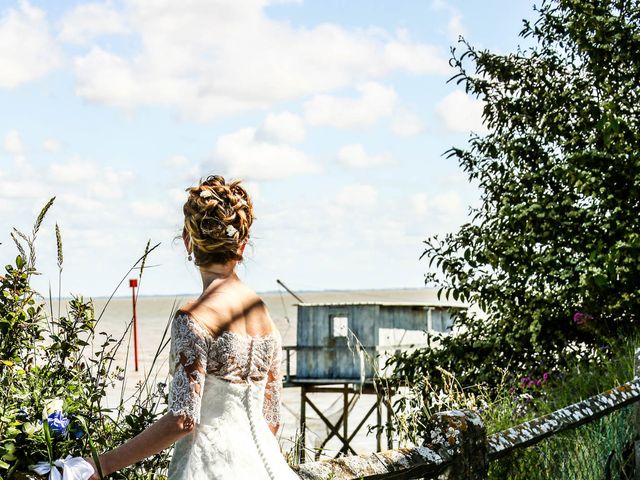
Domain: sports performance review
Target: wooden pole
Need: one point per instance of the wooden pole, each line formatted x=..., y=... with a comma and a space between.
x=303, y=422
x=287, y=289
x=345, y=416
x=133, y=283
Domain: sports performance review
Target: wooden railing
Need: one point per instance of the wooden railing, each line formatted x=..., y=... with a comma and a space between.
x=456, y=445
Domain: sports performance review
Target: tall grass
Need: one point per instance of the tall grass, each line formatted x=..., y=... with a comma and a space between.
x=61, y=356
x=598, y=450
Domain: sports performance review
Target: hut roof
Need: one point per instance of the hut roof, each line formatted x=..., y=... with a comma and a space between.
x=384, y=304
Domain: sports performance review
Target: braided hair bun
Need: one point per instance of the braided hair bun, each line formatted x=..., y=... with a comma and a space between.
x=217, y=217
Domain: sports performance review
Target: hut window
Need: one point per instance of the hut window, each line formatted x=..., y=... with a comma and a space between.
x=339, y=325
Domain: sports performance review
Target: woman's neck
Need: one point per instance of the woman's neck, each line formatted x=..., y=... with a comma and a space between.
x=217, y=273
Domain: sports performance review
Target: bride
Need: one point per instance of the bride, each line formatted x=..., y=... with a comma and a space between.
x=224, y=399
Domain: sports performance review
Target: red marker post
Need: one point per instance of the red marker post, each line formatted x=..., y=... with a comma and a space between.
x=133, y=283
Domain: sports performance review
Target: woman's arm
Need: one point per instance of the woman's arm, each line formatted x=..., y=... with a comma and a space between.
x=155, y=438
x=188, y=364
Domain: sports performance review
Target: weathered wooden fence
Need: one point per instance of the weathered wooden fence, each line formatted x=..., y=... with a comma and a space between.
x=456, y=445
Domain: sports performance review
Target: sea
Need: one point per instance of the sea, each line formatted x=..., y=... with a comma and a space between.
x=154, y=313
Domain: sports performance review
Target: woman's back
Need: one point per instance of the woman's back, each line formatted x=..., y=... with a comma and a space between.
x=226, y=355
x=231, y=306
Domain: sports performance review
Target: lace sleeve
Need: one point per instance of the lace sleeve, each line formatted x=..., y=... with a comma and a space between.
x=273, y=389
x=188, y=365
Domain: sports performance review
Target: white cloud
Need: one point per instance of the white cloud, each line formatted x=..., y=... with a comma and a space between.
x=244, y=154
x=375, y=101
x=354, y=155
x=177, y=195
x=100, y=181
x=253, y=189
x=73, y=171
x=52, y=145
x=455, y=27
x=150, y=209
x=357, y=195
x=284, y=127
x=461, y=113
x=182, y=168
x=13, y=143
x=446, y=205
x=27, y=51
x=90, y=20
x=22, y=188
x=208, y=59
x=80, y=202
x=405, y=123
x=419, y=59
x=177, y=161
x=420, y=203
x=111, y=183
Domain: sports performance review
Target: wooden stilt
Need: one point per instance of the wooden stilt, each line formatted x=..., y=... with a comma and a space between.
x=378, y=422
x=345, y=417
x=303, y=422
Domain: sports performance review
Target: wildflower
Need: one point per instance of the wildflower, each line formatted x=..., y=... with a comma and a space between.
x=31, y=428
x=580, y=318
x=50, y=406
x=58, y=423
x=545, y=377
x=23, y=414
x=75, y=427
x=76, y=432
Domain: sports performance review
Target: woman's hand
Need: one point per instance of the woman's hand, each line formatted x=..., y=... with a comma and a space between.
x=95, y=475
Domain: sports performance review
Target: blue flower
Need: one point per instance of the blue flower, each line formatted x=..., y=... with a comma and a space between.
x=76, y=431
x=23, y=414
x=58, y=423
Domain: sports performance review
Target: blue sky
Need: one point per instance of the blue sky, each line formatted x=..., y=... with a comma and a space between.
x=336, y=115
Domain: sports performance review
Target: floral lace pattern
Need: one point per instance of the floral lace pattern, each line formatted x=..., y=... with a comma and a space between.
x=235, y=358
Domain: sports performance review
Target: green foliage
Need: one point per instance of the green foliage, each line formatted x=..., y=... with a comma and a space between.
x=557, y=230
x=600, y=450
x=584, y=453
x=59, y=367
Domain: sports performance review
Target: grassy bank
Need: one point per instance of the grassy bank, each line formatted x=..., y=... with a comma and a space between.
x=598, y=450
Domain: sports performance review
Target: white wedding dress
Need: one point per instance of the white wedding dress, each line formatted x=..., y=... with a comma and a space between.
x=229, y=385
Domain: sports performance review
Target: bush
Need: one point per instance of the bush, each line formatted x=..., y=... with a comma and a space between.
x=55, y=373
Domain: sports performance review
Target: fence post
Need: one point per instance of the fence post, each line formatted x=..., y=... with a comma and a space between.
x=637, y=420
x=460, y=436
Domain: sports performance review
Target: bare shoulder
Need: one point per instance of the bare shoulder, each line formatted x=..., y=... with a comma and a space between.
x=256, y=313
x=205, y=315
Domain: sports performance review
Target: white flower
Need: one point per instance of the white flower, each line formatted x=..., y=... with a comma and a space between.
x=50, y=406
x=30, y=428
x=231, y=230
x=206, y=194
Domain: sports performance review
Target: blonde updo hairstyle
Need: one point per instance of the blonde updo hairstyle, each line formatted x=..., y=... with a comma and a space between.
x=217, y=217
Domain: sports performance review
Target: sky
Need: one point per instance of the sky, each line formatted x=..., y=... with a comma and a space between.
x=335, y=115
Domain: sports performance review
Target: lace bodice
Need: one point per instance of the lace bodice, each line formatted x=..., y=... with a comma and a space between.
x=196, y=352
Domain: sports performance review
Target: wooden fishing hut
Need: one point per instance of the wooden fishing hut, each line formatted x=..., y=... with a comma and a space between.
x=343, y=347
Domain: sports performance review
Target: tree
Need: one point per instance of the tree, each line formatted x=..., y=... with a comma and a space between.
x=552, y=253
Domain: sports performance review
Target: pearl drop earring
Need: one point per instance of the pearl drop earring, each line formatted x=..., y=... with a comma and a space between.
x=189, y=257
